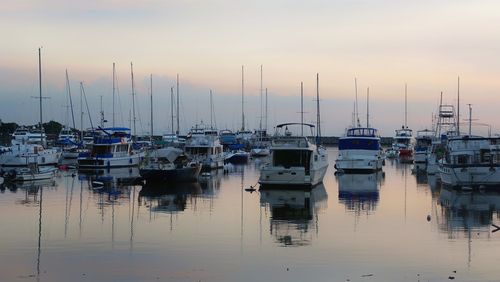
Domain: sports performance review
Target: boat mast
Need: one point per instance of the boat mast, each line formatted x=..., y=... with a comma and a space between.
x=266, y=113
x=40, y=88
x=356, y=110
x=81, y=113
x=260, y=122
x=133, y=99
x=301, y=108
x=87, y=105
x=318, y=121
x=470, y=119
x=172, y=108
x=177, y=89
x=151, y=86
x=406, y=106
x=242, y=98
x=70, y=99
x=211, y=110
x=458, y=106
x=102, y=114
x=368, y=107
x=113, y=120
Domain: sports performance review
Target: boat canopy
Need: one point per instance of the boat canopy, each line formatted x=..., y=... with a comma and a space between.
x=294, y=123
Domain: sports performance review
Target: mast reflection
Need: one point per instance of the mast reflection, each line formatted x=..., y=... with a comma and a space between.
x=294, y=213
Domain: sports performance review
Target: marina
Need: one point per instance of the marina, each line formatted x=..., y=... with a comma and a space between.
x=192, y=141
x=213, y=230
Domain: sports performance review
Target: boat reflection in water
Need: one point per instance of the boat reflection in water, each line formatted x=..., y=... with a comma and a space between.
x=123, y=176
x=294, y=213
x=169, y=198
x=466, y=211
x=360, y=192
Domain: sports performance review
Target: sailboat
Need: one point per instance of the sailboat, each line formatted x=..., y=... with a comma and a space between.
x=261, y=145
x=295, y=161
x=111, y=147
x=29, y=147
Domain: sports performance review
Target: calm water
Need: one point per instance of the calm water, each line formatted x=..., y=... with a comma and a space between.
x=391, y=226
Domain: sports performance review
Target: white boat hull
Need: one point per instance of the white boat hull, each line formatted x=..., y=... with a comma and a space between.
x=12, y=159
x=131, y=160
x=420, y=157
x=470, y=175
x=358, y=160
x=293, y=176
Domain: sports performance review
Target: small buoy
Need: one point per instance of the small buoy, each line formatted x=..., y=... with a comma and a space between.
x=429, y=217
x=451, y=277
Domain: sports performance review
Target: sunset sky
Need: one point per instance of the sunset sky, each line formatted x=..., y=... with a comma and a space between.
x=384, y=43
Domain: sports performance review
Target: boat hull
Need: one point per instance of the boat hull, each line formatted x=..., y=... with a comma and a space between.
x=477, y=175
x=127, y=161
x=10, y=159
x=420, y=157
x=274, y=177
x=359, y=165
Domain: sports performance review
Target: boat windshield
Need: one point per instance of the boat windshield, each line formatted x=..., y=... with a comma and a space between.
x=370, y=132
x=292, y=158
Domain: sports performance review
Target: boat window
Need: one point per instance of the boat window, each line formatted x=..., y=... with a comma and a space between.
x=292, y=158
x=462, y=159
x=101, y=150
x=485, y=156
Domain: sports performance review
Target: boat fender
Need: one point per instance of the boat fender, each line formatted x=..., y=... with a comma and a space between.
x=130, y=161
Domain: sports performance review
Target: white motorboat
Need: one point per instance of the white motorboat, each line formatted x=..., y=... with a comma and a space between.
x=471, y=161
x=294, y=160
x=203, y=146
x=113, y=149
x=359, y=151
x=423, y=145
x=27, y=149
